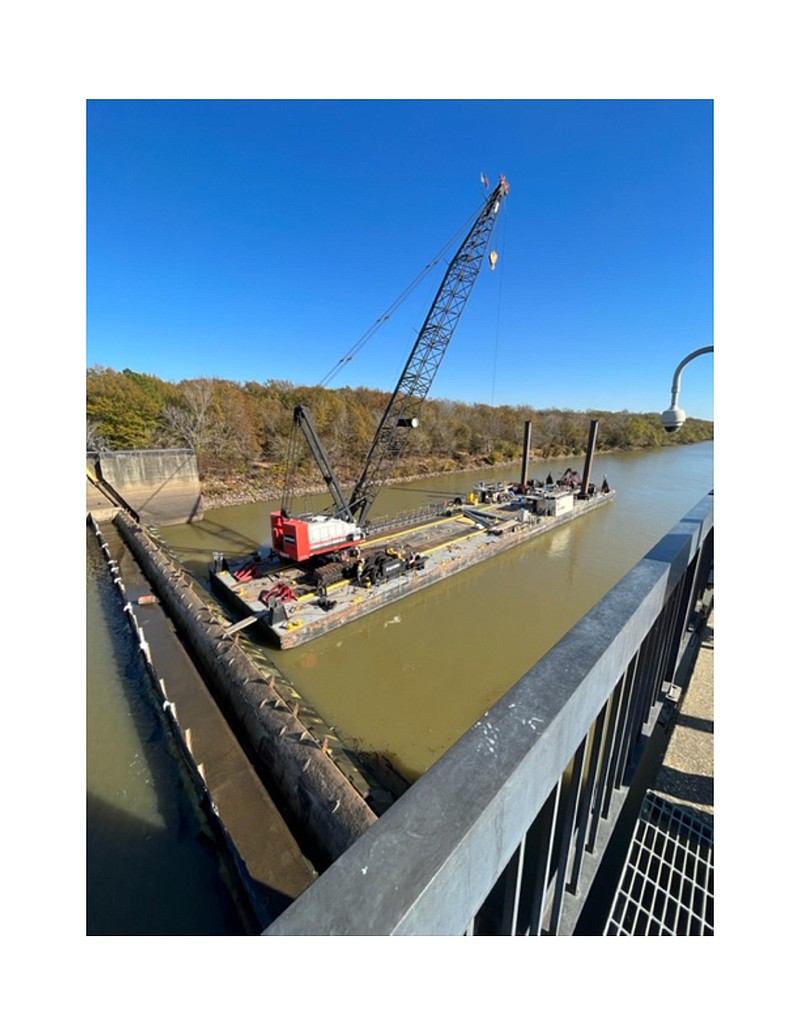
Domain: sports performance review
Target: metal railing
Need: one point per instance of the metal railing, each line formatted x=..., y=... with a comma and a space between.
x=409, y=518
x=504, y=834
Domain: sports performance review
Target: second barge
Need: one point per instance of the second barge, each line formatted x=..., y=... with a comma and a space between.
x=296, y=603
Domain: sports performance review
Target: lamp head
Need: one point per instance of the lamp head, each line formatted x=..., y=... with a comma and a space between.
x=673, y=419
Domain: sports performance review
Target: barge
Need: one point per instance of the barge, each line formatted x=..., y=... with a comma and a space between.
x=324, y=571
x=293, y=603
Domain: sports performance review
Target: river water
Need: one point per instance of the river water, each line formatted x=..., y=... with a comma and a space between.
x=151, y=861
x=405, y=682
x=408, y=680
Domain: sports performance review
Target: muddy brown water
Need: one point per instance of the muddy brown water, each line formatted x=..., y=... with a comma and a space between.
x=407, y=681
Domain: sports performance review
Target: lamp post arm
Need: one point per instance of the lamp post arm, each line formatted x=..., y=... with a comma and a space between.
x=676, y=378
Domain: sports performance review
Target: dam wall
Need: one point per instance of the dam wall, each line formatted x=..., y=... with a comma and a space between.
x=161, y=485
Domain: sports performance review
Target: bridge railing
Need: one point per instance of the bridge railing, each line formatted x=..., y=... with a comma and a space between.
x=504, y=834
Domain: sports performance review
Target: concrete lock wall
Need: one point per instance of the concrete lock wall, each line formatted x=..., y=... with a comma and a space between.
x=161, y=485
x=321, y=799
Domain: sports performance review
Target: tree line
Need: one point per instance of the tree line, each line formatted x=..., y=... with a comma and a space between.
x=242, y=430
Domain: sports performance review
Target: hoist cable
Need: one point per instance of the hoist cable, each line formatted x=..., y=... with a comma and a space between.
x=499, y=307
x=356, y=348
x=293, y=444
x=291, y=467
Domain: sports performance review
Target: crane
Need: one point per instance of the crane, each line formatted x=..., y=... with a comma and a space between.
x=301, y=539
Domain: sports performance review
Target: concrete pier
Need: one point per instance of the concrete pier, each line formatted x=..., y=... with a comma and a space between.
x=161, y=485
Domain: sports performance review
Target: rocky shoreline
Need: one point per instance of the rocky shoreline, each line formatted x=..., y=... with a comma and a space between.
x=219, y=493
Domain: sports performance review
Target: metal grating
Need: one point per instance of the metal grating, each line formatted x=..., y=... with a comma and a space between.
x=667, y=885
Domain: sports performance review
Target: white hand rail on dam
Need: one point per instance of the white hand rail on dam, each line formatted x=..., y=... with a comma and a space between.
x=505, y=833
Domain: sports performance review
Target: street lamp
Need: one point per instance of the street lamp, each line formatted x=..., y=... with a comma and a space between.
x=674, y=417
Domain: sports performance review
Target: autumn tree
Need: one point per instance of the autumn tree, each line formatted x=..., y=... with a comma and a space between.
x=121, y=414
x=236, y=428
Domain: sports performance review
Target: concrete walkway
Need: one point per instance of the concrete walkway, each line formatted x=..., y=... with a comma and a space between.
x=686, y=776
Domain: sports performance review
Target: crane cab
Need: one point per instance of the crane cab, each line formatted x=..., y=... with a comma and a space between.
x=301, y=538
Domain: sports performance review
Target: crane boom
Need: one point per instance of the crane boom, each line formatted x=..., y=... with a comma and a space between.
x=304, y=421
x=309, y=537
x=401, y=413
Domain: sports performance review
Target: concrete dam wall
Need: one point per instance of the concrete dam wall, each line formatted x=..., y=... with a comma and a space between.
x=161, y=485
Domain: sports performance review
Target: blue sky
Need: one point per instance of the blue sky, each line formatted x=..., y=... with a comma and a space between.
x=143, y=260
x=253, y=240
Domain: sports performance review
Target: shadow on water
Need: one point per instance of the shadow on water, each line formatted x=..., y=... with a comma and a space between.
x=208, y=536
x=143, y=878
x=154, y=865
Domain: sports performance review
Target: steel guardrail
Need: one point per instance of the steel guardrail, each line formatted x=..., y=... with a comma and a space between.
x=504, y=834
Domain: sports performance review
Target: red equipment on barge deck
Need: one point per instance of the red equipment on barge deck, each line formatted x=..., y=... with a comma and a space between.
x=301, y=538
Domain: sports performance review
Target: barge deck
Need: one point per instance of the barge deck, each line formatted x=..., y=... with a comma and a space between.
x=307, y=608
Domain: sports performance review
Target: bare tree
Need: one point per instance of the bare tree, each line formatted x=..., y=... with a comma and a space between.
x=193, y=421
x=95, y=442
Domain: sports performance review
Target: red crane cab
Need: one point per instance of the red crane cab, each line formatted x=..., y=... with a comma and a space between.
x=301, y=538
